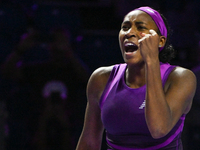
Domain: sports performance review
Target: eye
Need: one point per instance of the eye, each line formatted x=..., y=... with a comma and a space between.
x=125, y=27
x=141, y=28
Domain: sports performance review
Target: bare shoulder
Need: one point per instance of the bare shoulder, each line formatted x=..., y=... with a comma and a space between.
x=181, y=85
x=97, y=82
x=180, y=73
x=102, y=71
x=182, y=77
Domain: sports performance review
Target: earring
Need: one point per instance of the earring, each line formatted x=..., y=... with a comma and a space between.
x=159, y=46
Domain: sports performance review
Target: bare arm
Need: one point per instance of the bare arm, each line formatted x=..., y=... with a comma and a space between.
x=165, y=106
x=91, y=137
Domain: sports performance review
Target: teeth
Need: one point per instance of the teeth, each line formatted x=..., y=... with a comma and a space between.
x=130, y=47
x=129, y=44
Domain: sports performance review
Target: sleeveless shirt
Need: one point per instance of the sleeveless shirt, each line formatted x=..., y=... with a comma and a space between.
x=123, y=115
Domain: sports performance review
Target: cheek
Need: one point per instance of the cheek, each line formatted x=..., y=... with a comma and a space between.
x=120, y=40
x=121, y=37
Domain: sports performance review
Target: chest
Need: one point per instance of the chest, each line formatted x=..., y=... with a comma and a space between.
x=123, y=110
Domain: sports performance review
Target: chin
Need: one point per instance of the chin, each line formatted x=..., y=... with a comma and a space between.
x=134, y=62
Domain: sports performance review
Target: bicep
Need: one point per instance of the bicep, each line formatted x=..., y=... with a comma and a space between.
x=93, y=126
x=180, y=92
x=92, y=133
x=91, y=136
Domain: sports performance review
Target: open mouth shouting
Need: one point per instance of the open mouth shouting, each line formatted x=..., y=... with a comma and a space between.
x=130, y=47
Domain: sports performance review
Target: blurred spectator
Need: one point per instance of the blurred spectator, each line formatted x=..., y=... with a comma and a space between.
x=53, y=129
x=43, y=113
x=12, y=24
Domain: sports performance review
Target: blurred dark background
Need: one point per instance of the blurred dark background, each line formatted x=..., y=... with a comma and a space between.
x=94, y=26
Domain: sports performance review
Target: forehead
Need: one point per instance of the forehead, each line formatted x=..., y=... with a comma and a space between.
x=138, y=15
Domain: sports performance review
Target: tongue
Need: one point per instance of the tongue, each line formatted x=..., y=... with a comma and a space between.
x=130, y=47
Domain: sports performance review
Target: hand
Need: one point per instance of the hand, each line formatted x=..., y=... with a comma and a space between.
x=148, y=45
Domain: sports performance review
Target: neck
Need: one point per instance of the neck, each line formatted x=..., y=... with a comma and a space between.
x=135, y=76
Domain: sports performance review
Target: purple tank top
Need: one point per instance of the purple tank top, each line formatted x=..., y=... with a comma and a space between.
x=122, y=114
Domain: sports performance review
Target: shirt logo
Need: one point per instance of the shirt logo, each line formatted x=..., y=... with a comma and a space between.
x=142, y=105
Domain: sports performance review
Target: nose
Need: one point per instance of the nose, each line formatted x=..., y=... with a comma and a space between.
x=130, y=33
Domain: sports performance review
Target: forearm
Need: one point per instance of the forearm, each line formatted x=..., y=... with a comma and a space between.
x=157, y=111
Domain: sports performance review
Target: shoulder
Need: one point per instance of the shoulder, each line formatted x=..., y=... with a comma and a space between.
x=101, y=74
x=183, y=74
x=180, y=75
x=102, y=71
x=182, y=80
x=98, y=81
x=182, y=86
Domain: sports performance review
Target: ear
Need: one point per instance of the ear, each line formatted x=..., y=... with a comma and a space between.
x=162, y=41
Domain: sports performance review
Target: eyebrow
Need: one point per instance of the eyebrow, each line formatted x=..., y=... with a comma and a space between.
x=124, y=22
x=139, y=23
